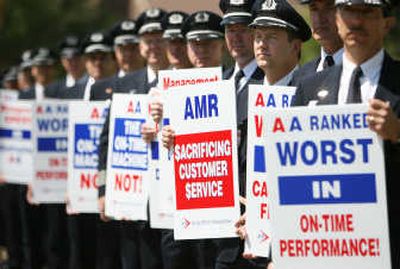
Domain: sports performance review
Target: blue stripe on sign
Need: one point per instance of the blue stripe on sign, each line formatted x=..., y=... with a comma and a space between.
x=154, y=150
x=6, y=133
x=259, y=159
x=327, y=189
x=9, y=133
x=52, y=144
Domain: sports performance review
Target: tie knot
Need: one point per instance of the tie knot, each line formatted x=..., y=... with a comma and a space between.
x=328, y=61
x=357, y=72
x=239, y=75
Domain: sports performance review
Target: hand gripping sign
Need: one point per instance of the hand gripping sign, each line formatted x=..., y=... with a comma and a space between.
x=205, y=161
x=16, y=143
x=86, y=121
x=50, y=155
x=127, y=160
x=262, y=99
x=161, y=161
x=328, y=187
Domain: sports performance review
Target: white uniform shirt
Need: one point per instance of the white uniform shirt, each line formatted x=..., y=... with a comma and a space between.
x=369, y=81
x=39, y=91
x=88, y=87
x=283, y=81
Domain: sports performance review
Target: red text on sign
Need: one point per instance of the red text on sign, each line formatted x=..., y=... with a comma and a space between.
x=128, y=183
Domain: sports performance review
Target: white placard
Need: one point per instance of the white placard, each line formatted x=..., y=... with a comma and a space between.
x=8, y=95
x=328, y=186
x=86, y=121
x=16, y=142
x=50, y=152
x=161, y=163
x=261, y=98
x=188, y=77
x=127, y=161
x=205, y=161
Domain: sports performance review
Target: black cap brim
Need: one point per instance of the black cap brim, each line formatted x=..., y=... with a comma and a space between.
x=235, y=19
x=173, y=34
x=152, y=27
x=271, y=22
x=274, y=22
x=43, y=62
x=376, y=3
x=126, y=39
x=97, y=48
x=203, y=35
x=25, y=65
x=69, y=53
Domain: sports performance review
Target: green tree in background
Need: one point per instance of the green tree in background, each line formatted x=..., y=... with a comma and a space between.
x=29, y=24
x=26, y=24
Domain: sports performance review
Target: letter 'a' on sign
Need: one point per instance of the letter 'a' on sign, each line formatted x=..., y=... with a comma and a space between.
x=259, y=159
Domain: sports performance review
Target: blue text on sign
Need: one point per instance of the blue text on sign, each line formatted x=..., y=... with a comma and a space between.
x=345, y=151
x=204, y=106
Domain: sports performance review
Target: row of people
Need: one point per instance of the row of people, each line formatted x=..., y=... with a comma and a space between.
x=264, y=38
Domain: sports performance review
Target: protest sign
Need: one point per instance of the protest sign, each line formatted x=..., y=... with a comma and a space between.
x=161, y=163
x=8, y=95
x=127, y=160
x=16, y=143
x=188, y=77
x=262, y=99
x=86, y=121
x=161, y=193
x=50, y=152
x=328, y=187
x=205, y=161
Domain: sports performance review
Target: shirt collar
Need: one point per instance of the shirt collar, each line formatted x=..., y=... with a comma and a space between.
x=151, y=75
x=248, y=70
x=283, y=81
x=69, y=81
x=121, y=73
x=371, y=68
x=39, y=86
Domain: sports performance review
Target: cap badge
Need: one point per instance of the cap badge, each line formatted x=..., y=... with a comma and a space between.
x=373, y=2
x=269, y=5
x=127, y=25
x=202, y=17
x=72, y=41
x=97, y=37
x=26, y=55
x=237, y=2
x=43, y=52
x=153, y=13
x=176, y=19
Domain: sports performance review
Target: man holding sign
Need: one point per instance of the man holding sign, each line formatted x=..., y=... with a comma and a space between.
x=365, y=77
x=279, y=31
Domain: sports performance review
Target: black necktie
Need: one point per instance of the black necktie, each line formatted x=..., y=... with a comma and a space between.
x=328, y=61
x=239, y=75
x=354, y=95
x=153, y=83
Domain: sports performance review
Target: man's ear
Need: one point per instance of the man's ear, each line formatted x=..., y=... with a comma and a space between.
x=390, y=22
x=296, y=44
